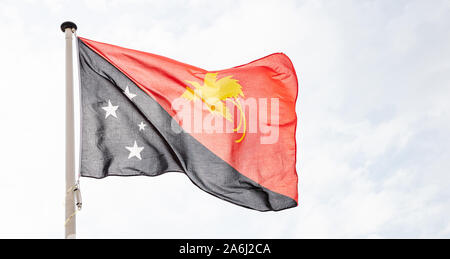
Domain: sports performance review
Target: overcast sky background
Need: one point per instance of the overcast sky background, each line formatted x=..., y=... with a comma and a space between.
x=374, y=116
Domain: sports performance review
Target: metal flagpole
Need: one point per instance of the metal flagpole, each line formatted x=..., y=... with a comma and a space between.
x=70, y=226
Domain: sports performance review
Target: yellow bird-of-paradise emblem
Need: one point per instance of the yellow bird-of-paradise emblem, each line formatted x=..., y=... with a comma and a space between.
x=214, y=94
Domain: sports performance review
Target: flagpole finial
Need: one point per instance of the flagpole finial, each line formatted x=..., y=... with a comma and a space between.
x=68, y=24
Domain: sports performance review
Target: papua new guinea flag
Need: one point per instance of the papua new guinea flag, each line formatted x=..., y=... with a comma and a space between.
x=232, y=131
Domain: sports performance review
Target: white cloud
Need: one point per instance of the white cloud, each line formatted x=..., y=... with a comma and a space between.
x=373, y=106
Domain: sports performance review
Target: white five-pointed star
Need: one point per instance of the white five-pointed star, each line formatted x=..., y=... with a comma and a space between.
x=142, y=126
x=110, y=109
x=135, y=151
x=127, y=92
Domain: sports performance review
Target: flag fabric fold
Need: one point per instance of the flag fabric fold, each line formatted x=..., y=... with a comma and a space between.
x=232, y=132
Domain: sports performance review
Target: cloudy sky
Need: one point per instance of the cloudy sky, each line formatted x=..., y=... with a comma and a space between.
x=374, y=116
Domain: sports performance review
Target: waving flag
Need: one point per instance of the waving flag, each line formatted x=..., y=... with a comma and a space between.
x=232, y=132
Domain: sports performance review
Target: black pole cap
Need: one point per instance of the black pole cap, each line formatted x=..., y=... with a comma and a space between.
x=68, y=24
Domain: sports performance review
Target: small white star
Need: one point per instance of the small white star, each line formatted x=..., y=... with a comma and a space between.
x=127, y=93
x=142, y=126
x=110, y=109
x=135, y=151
